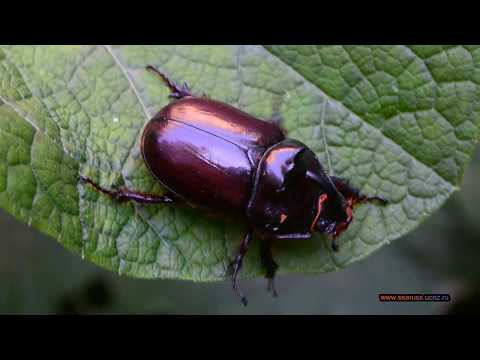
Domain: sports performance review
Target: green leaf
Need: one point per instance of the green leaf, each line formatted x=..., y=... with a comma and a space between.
x=399, y=121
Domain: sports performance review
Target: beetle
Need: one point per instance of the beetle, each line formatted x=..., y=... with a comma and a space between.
x=217, y=158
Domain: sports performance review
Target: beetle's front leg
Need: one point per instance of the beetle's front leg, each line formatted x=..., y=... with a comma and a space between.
x=122, y=195
x=237, y=265
x=176, y=91
x=349, y=191
x=269, y=264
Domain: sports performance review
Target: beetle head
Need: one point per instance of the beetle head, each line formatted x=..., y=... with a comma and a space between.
x=333, y=216
x=336, y=225
x=334, y=211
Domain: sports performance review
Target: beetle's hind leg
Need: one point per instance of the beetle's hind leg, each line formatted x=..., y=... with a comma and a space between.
x=237, y=265
x=123, y=195
x=176, y=91
x=269, y=264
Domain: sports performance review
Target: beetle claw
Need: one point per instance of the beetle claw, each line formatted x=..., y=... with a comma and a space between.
x=179, y=94
x=237, y=265
x=271, y=287
x=235, y=286
x=175, y=95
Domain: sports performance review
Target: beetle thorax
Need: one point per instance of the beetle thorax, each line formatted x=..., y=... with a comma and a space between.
x=284, y=201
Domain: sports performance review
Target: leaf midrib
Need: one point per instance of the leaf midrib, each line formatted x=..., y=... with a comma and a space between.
x=305, y=78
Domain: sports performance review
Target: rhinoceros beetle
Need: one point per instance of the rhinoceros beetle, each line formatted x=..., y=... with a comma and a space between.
x=212, y=156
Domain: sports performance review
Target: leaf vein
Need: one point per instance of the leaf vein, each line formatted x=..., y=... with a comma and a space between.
x=342, y=105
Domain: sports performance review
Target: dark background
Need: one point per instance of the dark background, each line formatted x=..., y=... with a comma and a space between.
x=38, y=276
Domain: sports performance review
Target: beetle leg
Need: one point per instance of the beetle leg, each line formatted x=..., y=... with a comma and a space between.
x=334, y=244
x=381, y=200
x=237, y=265
x=269, y=264
x=176, y=91
x=122, y=195
x=350, y=192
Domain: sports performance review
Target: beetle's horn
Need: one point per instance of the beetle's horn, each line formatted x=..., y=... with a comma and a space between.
x=336, y=199
x=326, y=184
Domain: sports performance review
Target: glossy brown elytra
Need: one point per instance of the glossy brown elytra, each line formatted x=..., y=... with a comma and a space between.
x=217, y=158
